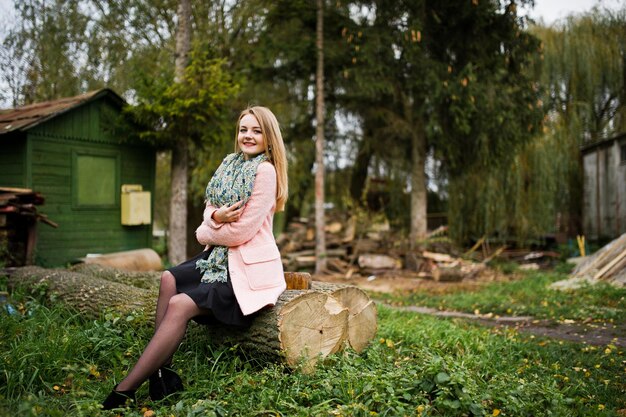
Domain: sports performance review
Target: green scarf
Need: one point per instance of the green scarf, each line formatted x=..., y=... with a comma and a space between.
x=233, y=181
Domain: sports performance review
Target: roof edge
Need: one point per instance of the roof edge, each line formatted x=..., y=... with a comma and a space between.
x=80, y=100
x=591, y=146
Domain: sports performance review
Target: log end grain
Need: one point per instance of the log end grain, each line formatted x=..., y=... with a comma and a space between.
x=362, y=316
x=311, y=327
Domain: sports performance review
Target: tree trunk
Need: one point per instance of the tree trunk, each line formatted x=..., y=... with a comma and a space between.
x=304, y=326
x=359, y=170
x=177, y=239
x=418, y=186
x=183, y=39
x=88, y=294
x=320, y=238
x=145, y=280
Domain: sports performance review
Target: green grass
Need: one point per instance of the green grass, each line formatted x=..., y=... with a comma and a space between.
x=531, y=296
x=55, y=363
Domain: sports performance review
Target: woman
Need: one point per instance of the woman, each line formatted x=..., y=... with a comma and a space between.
x=239, y=272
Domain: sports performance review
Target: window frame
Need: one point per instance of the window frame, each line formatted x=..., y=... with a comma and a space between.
x=103, y=153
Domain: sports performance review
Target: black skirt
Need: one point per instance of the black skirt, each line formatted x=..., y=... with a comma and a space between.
x=218, y=297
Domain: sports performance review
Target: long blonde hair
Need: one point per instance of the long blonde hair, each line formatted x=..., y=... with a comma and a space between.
x=274, y=148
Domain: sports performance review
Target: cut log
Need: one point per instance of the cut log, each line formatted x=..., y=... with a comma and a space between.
x=438, y=257
x=88, y=294
x=311, y=327
x=304, y=326
x=337, y=265
x=365, y=246
x=334, y=227
x=132, y=260
x=338, y=252
x=147, y=280
x=446, y=274
x=377, y=261
x=350, y=232
x=362, y=319
x=303, y=261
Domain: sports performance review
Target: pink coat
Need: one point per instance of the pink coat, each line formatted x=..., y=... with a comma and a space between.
x=254, y=264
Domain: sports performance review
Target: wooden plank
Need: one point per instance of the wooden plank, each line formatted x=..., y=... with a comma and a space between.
x=16, y=190
x=610, y=265
x=476, y=246
x=437, y=257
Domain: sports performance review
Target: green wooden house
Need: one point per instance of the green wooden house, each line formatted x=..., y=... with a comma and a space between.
x=66, y=151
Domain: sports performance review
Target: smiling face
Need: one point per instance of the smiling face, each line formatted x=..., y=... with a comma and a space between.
x=250, y=137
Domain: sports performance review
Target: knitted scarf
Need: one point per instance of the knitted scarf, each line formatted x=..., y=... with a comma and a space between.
x=233, y=181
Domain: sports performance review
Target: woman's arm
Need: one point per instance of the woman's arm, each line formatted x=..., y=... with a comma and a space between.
x=259, y=205
x=215, y=217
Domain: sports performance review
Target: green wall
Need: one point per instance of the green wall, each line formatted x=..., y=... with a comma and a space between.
x=85, y=227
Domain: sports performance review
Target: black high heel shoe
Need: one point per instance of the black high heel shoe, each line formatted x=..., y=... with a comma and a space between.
x=118, y=399
x=164, y=382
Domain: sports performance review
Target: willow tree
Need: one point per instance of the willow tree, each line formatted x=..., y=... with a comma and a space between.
x=584, y=64
x=442, y=77
x=585, y=76
x=539, y=190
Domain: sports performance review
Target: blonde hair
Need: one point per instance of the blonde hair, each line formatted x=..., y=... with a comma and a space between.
x=274, y=148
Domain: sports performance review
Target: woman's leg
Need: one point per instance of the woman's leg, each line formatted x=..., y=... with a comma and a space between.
x=167, y=289
x=181, y=308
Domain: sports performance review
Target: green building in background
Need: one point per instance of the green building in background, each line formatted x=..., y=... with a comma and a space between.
x=67, y=151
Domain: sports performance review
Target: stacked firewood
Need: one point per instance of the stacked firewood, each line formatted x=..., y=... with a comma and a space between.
x=18, y=221
x=22, y=201
x=376, y=251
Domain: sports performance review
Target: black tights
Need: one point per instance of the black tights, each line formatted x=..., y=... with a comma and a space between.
x=173, y=312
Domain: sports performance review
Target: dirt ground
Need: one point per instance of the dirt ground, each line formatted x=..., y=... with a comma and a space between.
x=598, y=334
x=406, y=281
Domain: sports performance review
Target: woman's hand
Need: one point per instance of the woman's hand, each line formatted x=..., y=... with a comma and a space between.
x=228, y=214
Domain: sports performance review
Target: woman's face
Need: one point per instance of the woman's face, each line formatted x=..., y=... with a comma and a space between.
x=250, y=137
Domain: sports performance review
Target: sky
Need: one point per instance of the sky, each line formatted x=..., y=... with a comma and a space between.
x=548, y=11
x=552, y=10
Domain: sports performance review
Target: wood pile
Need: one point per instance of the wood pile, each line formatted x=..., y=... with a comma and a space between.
x=606, y=265
x=18, y=221
x=377, y=252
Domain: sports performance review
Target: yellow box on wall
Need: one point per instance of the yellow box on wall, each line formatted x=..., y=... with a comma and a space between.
x=136, y=205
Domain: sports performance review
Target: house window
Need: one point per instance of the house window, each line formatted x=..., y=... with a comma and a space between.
x=95, y=181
